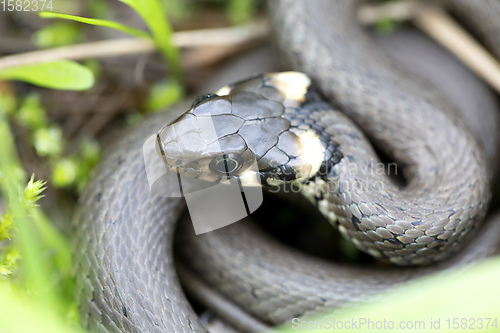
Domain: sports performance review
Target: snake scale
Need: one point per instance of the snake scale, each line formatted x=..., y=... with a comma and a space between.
x=125, y=276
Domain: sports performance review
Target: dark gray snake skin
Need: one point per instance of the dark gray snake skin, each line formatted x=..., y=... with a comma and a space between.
x=125, y=277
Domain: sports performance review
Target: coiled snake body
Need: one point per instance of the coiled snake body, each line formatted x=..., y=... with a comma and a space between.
x=126, y=280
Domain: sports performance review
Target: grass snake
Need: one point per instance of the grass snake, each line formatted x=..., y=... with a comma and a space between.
x=125, y=275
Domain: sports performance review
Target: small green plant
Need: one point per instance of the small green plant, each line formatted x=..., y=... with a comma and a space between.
x=160, y=31
x=35, y=261
x=36, y=286
x=28, y=198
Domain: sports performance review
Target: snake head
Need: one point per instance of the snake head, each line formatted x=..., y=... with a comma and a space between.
x=243, y=131
x=204, y=142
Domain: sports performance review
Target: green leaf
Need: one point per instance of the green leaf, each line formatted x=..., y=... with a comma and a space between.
x=97, y=22
x=153, y=14
x=63, y=74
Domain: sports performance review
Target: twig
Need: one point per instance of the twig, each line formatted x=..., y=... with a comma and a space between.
x=400, y=11
x=127, y=46
x=222, y=36
x=101, y=49
x=221, y=306
x=442, y=28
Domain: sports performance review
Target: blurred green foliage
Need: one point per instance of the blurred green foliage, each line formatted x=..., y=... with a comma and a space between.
x=386, y=26
x=98, y=8
x=153, y=14
x=44, y=280
x=178, y=9
x=241, y=11
x=58, y=34
x=74, y=171
x=164, y=94
x=94, y=66
x=8, y=260
x=31, y=113
x=47, y=139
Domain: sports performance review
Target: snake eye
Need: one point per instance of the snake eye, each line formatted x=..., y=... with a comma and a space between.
x=226, y=164
x=203, y=98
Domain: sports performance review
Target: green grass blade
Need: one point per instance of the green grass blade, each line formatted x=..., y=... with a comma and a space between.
x=153, y=14
x=63, y=74
x=97, y=22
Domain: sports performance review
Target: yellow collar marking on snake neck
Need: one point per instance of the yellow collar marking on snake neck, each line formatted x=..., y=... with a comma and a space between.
x=293, y=86
x=314, y=155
